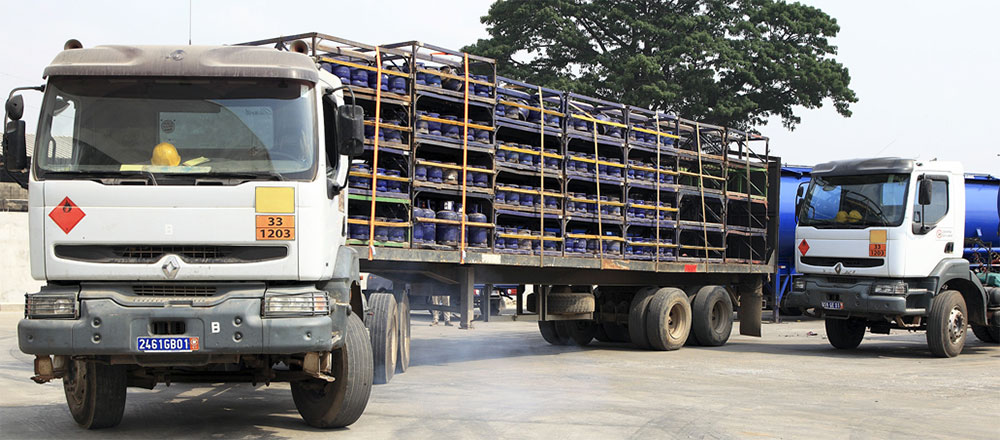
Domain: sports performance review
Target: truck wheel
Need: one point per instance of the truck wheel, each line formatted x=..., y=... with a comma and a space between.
x=712, y=316
x=550, y=334
x=987, y=334
x=95, y=393
x=637, y=317
x=382, y=320
x=570, y=303
x=404, y=335
x=579, y=331
x=947, y=324
x=339, y=403
x=616, y=332
x=668, y=321
x=845, y=334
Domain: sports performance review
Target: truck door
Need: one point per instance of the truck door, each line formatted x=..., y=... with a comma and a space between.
x=936, y=229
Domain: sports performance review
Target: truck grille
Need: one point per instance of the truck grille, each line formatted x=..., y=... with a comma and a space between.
x=148, y=254
x=847, y=262
x=173, y=290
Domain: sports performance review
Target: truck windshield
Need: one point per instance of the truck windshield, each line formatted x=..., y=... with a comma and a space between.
x=854, y=201
x=176, y=130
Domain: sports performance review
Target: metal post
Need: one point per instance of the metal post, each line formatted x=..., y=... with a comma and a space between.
x=466, y=292
x=519, y=300
x=484, y=302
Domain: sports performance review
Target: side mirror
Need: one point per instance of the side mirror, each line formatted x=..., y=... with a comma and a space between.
x=15, y=108
x=351, y=130
x=799, y=192
x=14, y=151
x=924, y=192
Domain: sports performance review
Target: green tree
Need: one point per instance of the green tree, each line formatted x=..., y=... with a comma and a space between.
x=728, y=62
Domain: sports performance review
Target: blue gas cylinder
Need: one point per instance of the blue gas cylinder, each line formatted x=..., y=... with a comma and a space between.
x=397, y=84
x=435, y=174
x=434, y=127
x=447, y=234
x=359, y=77
x=451, y=130
x=420, y=172
x=342, y=72
x=482, y=180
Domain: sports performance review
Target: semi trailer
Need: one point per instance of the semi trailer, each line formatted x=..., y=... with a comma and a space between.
x=882, y=244
x=203, y=214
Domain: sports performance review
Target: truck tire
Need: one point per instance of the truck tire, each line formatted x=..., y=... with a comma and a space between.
x=339, y=403
x=570, y=303
x=947, y=324
x=845, y=334
x=712, y=316
x=987, y=334
x=551, y=334
x=95, y=393
x=668, y=321
x=403, y=358
x=382, y=321
x=579, y=331
x=637, y=317
x=616, y=332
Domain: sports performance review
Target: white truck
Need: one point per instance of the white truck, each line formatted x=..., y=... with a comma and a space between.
x=187, y=214
x=880, y=245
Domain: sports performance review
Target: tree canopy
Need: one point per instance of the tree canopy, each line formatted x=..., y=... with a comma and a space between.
x=728, y=62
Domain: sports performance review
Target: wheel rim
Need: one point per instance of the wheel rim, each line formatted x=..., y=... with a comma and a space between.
x=717, y=318
x=956, y=324
x=674, y=320
x=393, y=342
x=76, y=386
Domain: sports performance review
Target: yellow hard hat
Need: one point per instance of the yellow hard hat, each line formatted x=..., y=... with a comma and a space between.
x=841, y=217
x=854, y=216
x=165, y=154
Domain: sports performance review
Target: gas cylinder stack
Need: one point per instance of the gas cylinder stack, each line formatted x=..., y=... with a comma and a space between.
x=459, y=159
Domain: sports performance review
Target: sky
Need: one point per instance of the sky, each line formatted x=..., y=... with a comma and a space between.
x=925, y=73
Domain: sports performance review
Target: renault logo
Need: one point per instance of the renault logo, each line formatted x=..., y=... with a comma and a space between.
x=836, y=268
x=171, y=266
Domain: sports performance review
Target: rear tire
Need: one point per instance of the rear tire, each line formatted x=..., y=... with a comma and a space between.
x=339, y=403
x=637, y=317
x=712, y=316
x=579, y=331
x=616, y=332
x=382, y=321
x=845, y=334
x=95, y=393
x=987, y=334
x=403, y=357
x=668, y=322
x=550, y=334
x=947, y=324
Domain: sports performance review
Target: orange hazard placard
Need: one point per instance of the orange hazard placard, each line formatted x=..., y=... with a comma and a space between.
x=275, y=227
x=876, y=250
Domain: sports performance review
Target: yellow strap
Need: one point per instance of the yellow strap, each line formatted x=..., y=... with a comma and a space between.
x=378, y=117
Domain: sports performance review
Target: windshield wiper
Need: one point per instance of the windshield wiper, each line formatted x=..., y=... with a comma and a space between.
x=104, y=174
x=270, y=175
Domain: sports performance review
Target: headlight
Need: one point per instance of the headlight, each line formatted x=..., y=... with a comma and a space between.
x=50, y=305
x=799, y=285
x=296, y=304
x=898, y=288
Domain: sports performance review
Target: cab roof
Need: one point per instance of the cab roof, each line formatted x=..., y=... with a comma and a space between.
x=184, y=61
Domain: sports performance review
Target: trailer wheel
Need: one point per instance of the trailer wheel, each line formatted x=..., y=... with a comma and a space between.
x=616, y=332
x=95, y=393
x=550, y=334
x=987, y=334
x=668, y=322
x=947, y=324
x=570, y=303
x=579, y=331
x=382, y=321
x=637, y=317
x=845, y=334
x=404, y=335
x=712, y=316
x=339, y=403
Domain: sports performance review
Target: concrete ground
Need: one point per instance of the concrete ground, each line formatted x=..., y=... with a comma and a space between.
x=500, y=380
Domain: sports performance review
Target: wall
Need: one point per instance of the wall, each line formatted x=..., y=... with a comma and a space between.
x=15, y=271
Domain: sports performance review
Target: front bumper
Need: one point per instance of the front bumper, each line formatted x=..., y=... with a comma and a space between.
x=857, y=298
x=105, y=327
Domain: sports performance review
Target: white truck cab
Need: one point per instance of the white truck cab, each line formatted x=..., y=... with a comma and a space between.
x=187, y=213
x=879, y=243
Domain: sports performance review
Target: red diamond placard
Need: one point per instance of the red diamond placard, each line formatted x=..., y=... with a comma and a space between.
x=66, y=215
x=803, y=247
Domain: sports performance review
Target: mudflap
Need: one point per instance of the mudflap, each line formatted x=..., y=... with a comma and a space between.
x=751, y=303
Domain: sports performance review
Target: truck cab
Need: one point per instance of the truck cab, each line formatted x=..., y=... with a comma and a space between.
x=879, y=243
x=186, y=211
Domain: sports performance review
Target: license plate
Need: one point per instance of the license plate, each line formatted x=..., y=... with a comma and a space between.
x=167, y=345
x=833, y=305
